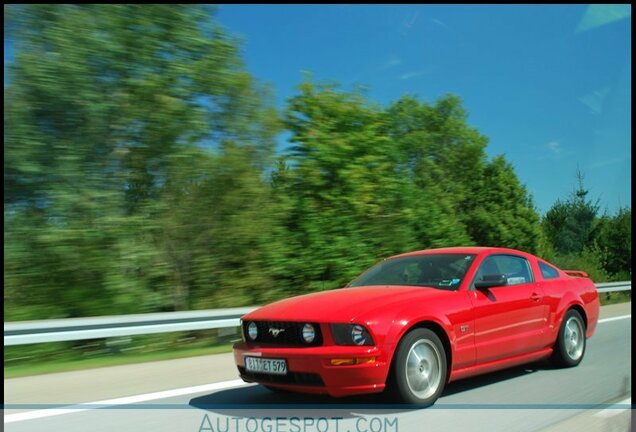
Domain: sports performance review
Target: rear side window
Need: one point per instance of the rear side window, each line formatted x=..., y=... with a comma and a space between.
x=548, y=272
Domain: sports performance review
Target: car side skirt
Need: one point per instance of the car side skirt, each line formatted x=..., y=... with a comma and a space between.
x=499, y=364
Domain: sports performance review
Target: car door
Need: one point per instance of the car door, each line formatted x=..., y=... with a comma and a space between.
x=509, y=320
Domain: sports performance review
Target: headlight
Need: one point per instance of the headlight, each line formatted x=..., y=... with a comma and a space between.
x=309, y=333
x=252, y=331
x=351, y=334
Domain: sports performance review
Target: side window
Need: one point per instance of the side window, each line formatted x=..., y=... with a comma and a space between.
x=548, y=272
x=516, y=269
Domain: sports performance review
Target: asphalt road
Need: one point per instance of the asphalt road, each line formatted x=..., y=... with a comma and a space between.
x=202, y=394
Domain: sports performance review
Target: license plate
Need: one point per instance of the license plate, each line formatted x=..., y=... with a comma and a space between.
x=265, y=365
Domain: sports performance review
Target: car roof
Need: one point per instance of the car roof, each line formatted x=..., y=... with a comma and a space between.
x=476, y=250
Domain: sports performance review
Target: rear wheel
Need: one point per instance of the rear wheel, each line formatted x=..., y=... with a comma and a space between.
x=419, y=372
x=570, y=345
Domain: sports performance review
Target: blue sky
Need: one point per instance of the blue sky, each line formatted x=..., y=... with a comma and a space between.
x=549, y=85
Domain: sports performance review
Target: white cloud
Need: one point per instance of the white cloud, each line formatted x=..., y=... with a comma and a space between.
x=413, y=74
x=595, y=100
x=408, y=22
x=602, y=14
x=392, y=61
x=439, y=22
x=554, y=147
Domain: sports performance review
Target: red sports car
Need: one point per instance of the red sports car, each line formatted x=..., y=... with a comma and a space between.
x=416, y=321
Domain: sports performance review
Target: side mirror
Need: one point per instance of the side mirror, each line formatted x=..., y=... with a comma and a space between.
x=490, y=281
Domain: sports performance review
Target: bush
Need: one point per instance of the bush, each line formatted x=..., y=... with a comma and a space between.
x=588, y=261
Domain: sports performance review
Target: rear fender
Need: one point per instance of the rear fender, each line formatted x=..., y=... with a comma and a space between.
x=568, y=301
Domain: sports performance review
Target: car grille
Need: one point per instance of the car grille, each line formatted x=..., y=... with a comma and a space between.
x=298, y=378
x=290, y=336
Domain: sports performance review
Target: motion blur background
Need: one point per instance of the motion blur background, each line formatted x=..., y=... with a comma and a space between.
x=147, y=169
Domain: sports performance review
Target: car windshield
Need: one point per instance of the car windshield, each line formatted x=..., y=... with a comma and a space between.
x=444, y=271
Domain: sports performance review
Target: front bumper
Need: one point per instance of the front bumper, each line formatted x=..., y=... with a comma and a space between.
x=309, y=369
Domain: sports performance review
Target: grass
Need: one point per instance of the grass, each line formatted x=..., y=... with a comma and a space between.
x=115, y=360
x=615, y=297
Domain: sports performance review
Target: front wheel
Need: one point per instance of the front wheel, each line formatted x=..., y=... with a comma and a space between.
x=419, y=372
x=570, y=345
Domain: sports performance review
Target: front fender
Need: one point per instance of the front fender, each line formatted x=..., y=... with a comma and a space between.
x=401, y=326
x=452, y=317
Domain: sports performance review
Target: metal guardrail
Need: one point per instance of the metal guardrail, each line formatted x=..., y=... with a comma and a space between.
x=614, y=286
x=31, y=332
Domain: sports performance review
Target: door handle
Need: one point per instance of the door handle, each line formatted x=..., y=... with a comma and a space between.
x=535, y=297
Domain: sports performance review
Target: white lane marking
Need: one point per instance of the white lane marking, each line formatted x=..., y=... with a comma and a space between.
x=31, y=415
x=604, y=320
x=613, y=409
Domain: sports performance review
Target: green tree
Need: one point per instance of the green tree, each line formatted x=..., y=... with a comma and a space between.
x=613, y=241
x=504, y=214
x=347, y=208
x=216, y=218
x=459, y=196
x=429, y=141
x=101, y=104
x=569, y=224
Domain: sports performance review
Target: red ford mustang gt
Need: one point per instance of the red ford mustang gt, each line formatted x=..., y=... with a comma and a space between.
x=416, y=321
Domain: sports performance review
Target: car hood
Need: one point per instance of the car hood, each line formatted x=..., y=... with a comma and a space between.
x=341, y=305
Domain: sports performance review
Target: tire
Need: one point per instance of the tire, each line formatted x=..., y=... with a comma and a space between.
x=569, y=348
x=419, y=368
